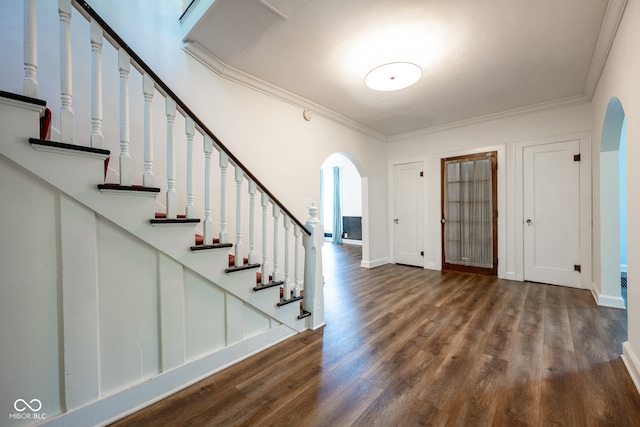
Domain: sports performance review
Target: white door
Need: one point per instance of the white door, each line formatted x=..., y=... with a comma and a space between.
x=552, y=213
x=407, y=214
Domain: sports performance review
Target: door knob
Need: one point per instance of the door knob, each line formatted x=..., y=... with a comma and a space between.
x=528, y=222
x=444, y=221
x=395, y=220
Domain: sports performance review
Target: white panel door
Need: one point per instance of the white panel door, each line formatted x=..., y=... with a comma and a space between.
x=407, y=214
x=552, y=213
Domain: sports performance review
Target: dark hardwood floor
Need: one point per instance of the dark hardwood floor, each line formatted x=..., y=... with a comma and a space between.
x=405, y=346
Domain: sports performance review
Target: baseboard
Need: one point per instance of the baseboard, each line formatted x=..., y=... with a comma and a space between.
x=374, y=263
x=352, y=242
x=607, y=300
x=119, y=405
x=511, y=275
x=631, y=361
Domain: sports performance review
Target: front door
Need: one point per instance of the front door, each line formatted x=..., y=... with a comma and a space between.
x=469, y=213
x=552, y=213
x=407, y=214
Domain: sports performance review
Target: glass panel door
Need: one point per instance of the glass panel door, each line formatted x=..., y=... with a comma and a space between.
x=469, y=228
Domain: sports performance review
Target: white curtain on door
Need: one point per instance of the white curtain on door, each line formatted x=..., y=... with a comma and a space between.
x=468, y=213
x=337, y=206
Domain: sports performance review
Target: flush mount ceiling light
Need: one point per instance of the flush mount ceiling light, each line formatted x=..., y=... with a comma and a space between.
x=393, y=76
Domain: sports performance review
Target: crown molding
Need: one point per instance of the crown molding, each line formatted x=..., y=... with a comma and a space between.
x=222, y=69
x=558, y=103
x=610, y=22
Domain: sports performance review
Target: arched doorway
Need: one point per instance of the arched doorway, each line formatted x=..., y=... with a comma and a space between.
x=343, y=201
x=611, y=200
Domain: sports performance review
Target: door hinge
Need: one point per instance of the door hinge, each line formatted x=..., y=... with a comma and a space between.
x=495, y=262
x=576, y=157
x=421, y=173
x=577, y=268
x=421, y=253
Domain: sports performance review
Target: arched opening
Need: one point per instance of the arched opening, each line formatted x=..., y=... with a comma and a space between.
x=612, y=198
x=343, y=201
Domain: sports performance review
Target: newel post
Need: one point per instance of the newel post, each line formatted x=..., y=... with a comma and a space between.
x=313, y=277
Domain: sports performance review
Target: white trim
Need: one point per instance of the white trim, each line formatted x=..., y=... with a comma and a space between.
x=69, y=152
x=352, y=242
x=208, y=59
x=119, y=405
x=632, y=362
x=607, y=300
x=174, y=224
x=129, y=192
x=608, y=29
x=22, y=104
x=374, y=263
x=558, y=103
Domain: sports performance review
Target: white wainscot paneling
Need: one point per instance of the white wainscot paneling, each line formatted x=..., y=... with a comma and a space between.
x=255, y=321
x=205, y=316
x=128, y=309
x=29, y=339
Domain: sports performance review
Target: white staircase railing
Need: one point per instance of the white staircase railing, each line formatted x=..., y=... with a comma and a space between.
x=200, y=183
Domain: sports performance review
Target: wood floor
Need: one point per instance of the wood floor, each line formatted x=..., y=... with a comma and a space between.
x=405, y=346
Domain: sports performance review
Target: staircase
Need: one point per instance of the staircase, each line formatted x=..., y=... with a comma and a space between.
x=132, y=275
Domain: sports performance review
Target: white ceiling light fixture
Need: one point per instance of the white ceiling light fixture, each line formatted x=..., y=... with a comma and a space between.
x=393, y=76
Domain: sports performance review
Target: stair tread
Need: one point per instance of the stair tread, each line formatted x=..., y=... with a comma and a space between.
x=118, y=187
x=23, y=98
x=271, y=284
x=289, y=301
x=65, y=146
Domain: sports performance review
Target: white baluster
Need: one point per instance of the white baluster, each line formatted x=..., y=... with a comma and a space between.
x=30, y=84
x=190, y=130
x=238, y=247
x=66, y=81
x=276, y=217
x=296, y=278
x=97, y=139
x=172, y=198
x=124, y=65
x=264, y=201
x=224, y=163
x=252, y=203
x=208, y=224
x=287, y=280
x=148, y=91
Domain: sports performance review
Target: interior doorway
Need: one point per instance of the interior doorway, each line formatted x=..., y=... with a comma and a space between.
x=613, y=207
x=341, y=195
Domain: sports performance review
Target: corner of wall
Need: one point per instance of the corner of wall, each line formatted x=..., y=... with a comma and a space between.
x=631, y=361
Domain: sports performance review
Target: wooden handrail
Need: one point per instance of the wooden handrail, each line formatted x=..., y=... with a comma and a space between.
x=88, y=12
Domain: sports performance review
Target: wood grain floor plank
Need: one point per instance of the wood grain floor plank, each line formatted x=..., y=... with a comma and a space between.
x=405, y=346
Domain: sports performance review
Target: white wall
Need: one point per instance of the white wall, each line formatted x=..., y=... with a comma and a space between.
x=259, y=129
x=503, y=135
x=620, y=79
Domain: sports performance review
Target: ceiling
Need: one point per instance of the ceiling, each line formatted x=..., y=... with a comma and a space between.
x=479, y=58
